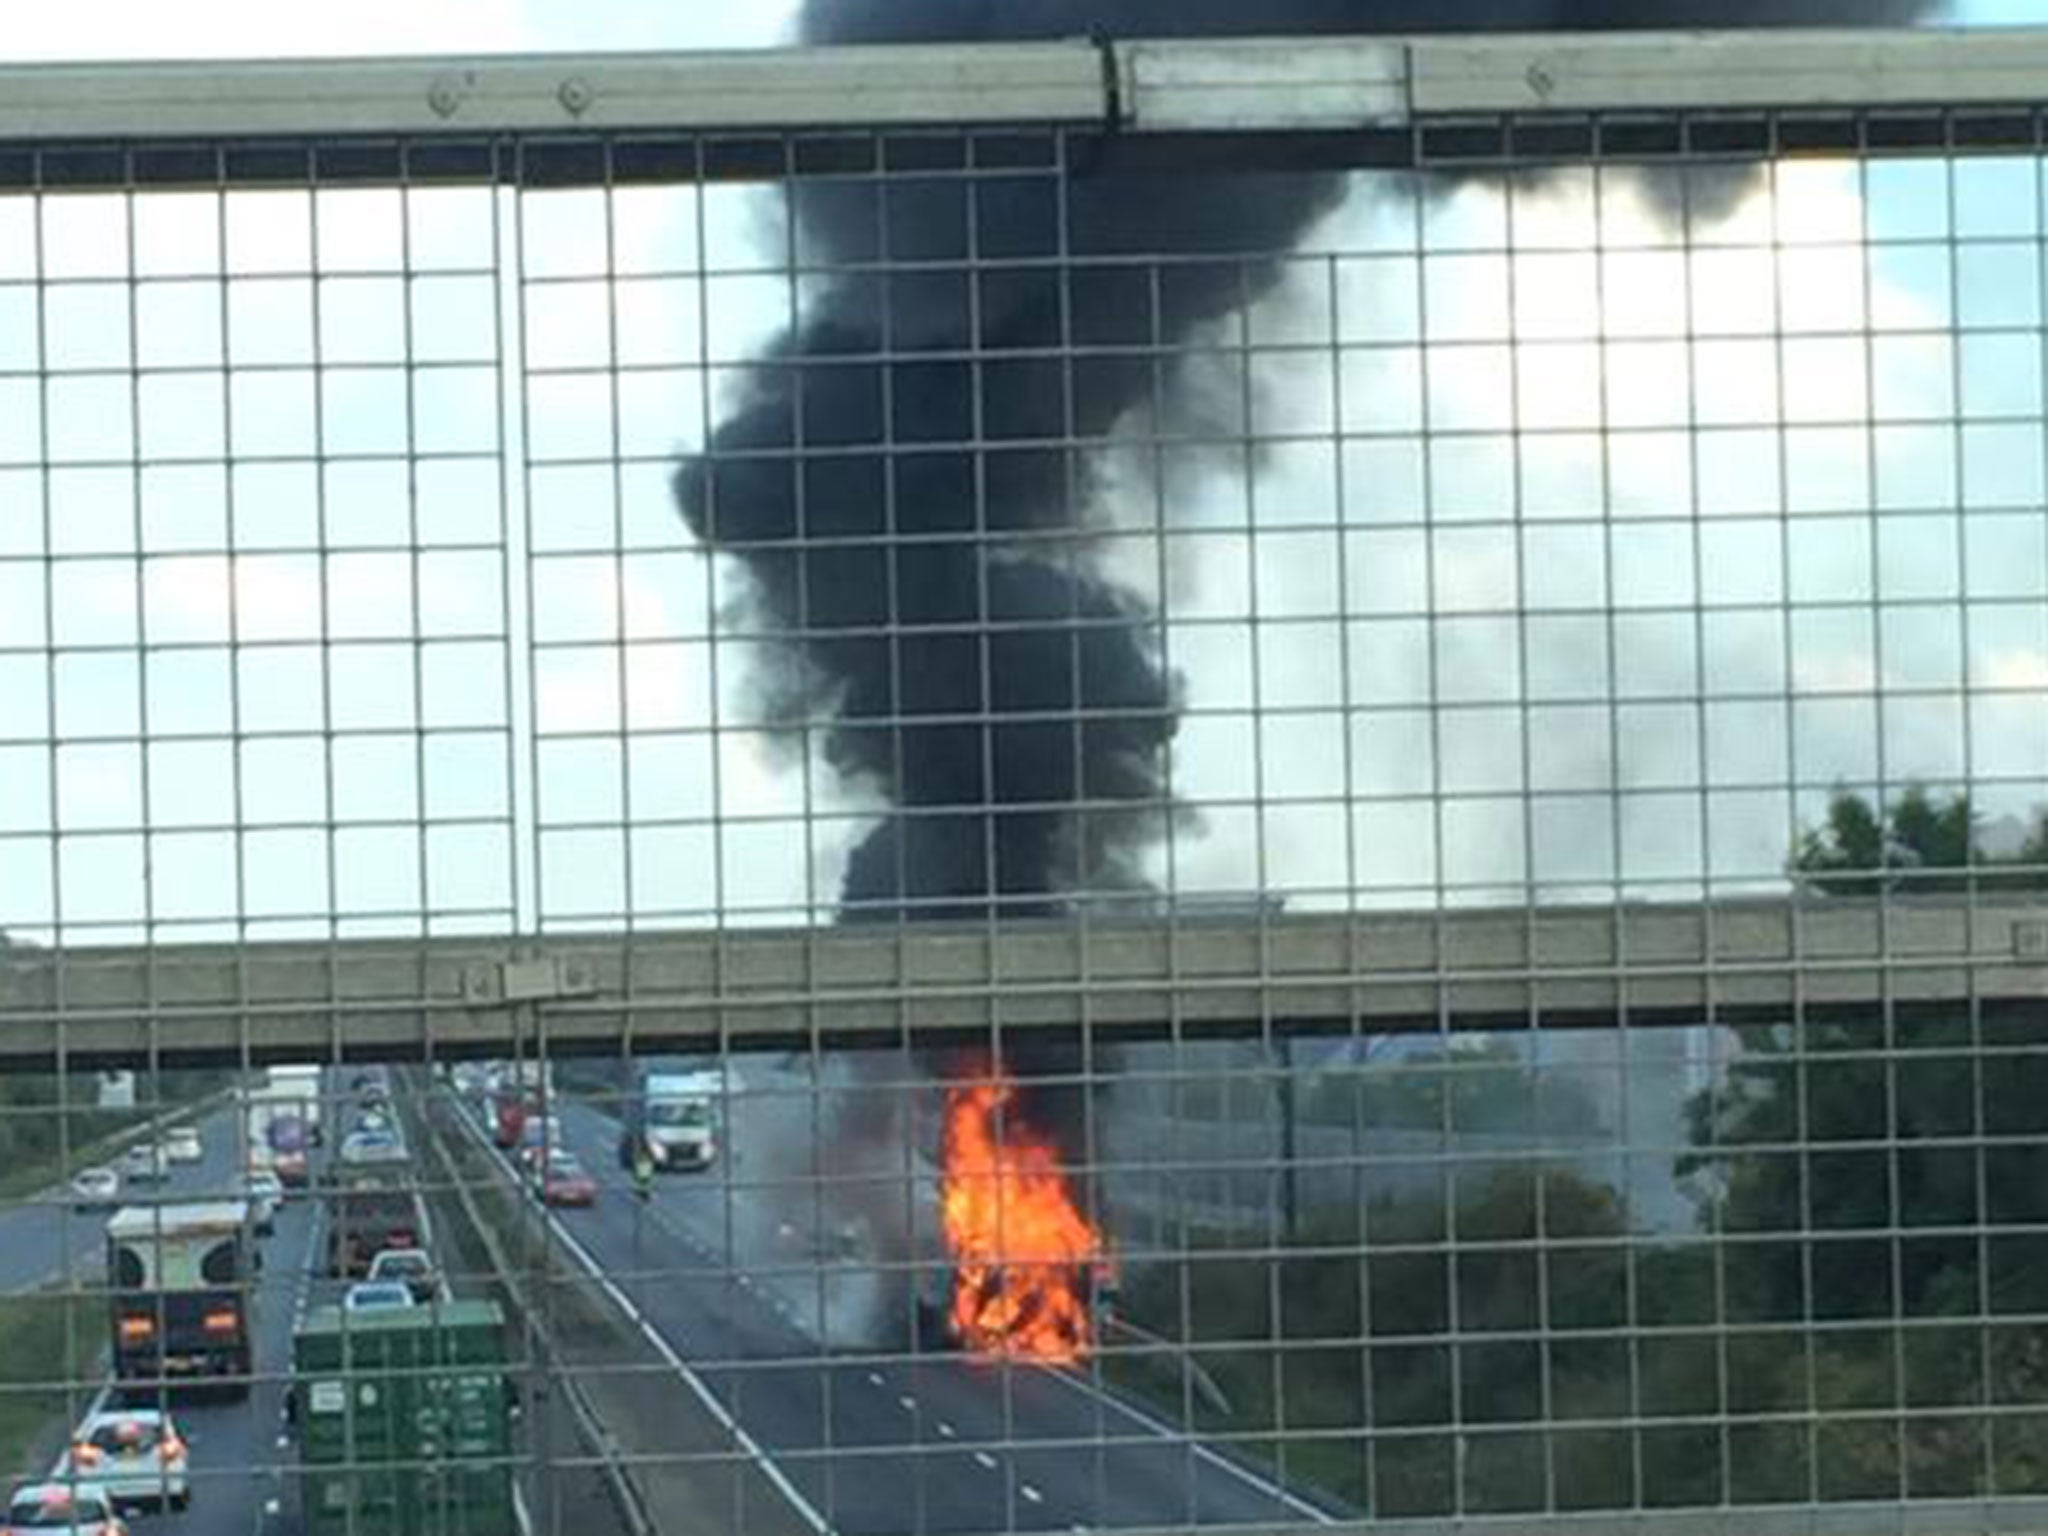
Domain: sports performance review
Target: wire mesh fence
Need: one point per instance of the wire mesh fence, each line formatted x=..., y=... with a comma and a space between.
x=980, y=828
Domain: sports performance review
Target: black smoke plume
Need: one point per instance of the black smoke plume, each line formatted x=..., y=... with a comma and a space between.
x=896, y=477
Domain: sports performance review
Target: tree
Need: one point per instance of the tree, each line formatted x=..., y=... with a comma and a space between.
x=1921, y=844
x=1853, y=840
x=1878, y=1182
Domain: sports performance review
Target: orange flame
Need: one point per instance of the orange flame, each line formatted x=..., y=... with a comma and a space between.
x=1022, y=1254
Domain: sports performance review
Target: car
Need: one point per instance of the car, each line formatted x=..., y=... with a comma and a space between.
x=95, y=1189
x=76, y=1511
x=565, y=1181
x=372, y=1147
x=183, y=1145
x=265, y=1192
x=135, y=1456
x=145, y=1163
x=412, y=1268
x=537, y=1134
x=376, y=1296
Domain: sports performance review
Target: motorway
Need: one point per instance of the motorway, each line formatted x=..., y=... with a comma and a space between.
x=889, y=1443
x=43, y=1240
x=238, y=1456
x=869, y=1441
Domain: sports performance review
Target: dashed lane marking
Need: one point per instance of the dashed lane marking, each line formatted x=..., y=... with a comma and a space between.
x=875, y=1378
x=703, y=1393
x=986, y=1460
x=1166, y=1431
x=945, y=1430
x=1031, y=1493
x=909, y=1403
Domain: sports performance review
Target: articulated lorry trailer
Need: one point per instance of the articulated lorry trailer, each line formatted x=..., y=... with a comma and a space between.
x=404, y=1421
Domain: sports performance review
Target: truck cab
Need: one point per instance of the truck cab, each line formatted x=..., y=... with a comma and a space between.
x=673, y=1116
x=180, y=1278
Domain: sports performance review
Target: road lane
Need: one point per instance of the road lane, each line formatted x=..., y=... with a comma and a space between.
x=939, y=1442
x=241, y=1459
x=44, y=1240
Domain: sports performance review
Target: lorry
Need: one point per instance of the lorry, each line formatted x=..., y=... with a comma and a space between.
x=673, y=1117
x=372, y=1207
x=280, y=1121
x=283, y=1149
x=517, y=1091
x=180, y=1279
x=404, y=1421
x=510, y=1109
x=301, y=1086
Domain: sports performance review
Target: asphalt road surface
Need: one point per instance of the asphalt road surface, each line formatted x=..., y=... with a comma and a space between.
x=241, y=1458
x=42, y=1241
x=938, y=1442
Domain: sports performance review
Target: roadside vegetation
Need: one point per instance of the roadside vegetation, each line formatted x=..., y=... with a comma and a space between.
x=50, y=1128
x=1860, y=1316
x=51, y=1344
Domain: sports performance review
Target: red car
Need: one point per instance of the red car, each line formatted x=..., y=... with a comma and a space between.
x=566, y=1181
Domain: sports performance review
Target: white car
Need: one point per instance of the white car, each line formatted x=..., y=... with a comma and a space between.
x=377, y=1296
x=146, y=1164
x=95, y=1189
x=411, y=1268
x=135, y=1456
x=61, y=1507
x=265, y=1191
x=183, y=1145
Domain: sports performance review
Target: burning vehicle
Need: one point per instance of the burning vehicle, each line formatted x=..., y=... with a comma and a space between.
x=913, y=475
x=1028, y=1271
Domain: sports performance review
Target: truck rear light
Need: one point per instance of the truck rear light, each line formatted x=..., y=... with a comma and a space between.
x=172, y=1449
x=133, y=1328
x=223, y=1322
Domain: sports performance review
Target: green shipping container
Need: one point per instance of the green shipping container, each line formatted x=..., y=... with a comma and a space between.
x=404, y=1421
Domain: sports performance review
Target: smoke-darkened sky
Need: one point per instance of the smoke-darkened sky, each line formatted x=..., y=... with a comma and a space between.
x=861, y=21
x=909, y=508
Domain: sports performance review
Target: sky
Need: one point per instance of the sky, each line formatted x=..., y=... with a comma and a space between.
x=129, y=29
x=140, y=29
x=1428, y=603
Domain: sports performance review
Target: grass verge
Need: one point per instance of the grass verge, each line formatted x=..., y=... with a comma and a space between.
x=51, y=1344
x=35, y=1163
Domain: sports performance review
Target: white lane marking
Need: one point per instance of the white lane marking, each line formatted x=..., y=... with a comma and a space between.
x=986, y=1460
x=874, y=1378
x=520, y=1512
x=909, y=1403
x=283, y=1441
x=945, y=1430
x=1031, y=1493
x=1161, y=1428
x=273, y=1506
x=667, y=1351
